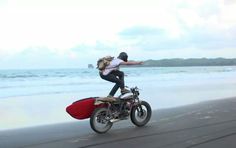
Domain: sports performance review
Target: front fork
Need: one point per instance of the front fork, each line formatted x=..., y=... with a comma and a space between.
x=139, y=108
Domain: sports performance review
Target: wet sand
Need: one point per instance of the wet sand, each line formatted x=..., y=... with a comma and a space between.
x=210, y=124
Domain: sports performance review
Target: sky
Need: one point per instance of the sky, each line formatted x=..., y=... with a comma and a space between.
x=75, y=33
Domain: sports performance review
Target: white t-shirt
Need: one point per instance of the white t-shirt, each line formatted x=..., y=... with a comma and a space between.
x=114, y=65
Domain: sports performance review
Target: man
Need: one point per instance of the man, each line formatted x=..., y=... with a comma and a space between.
x=112, y=73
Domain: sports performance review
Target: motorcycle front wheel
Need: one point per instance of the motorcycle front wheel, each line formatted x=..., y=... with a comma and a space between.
x=99, y=121
x=141, y=114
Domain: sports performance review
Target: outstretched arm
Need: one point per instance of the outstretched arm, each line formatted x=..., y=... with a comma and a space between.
x=132, y=63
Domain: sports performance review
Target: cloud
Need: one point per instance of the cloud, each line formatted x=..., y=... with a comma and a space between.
x=198, y=37
x=205, y=39
x=39, y=57
x=137, y=31
x=82, y=31
x=198, y=24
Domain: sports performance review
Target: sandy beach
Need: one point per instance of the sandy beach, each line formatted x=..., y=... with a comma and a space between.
x=202, y=125
x=180, y=54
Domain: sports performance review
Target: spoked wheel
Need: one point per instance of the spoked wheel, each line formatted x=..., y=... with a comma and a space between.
x=141, y=114
x=99, y=121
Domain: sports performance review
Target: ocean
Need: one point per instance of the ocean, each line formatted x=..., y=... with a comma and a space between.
x=39, y=96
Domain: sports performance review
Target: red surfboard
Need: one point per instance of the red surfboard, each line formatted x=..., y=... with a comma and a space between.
x=82, y=109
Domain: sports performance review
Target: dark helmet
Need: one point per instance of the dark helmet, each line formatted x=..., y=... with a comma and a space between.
x=123, y=56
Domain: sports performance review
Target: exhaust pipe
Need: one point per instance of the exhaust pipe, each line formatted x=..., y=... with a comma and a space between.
x=114, y=120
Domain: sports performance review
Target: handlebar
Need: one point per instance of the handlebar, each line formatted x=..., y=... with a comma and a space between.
x=135, y=89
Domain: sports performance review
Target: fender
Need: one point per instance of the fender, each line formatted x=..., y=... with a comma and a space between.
x=138, y=103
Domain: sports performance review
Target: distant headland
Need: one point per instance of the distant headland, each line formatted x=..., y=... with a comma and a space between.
x=177, y=62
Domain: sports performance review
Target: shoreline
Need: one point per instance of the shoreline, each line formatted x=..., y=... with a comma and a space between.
x=72, y=120
x=58, y=135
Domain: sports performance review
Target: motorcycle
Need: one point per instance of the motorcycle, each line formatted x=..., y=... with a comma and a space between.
x=103, y=112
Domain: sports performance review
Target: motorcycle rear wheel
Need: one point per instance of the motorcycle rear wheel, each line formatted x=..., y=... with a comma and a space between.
x=99, y=121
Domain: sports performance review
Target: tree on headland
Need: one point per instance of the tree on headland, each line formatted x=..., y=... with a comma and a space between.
x=189, y=62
